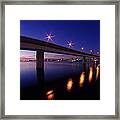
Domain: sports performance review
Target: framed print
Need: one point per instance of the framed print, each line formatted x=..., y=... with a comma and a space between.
x=60, y=59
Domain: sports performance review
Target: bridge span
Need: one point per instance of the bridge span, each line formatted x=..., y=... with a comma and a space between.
x=27, y=43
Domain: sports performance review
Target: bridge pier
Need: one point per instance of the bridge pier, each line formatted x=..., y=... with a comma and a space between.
x=94, y=59
x=39, y=59
x=84, y=59
x=40, y=72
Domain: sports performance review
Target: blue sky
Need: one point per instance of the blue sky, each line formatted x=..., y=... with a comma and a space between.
x=82, y=33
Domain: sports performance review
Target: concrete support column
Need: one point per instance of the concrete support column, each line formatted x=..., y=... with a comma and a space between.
x=84, y=59
x=40, y=59
x=40, y=72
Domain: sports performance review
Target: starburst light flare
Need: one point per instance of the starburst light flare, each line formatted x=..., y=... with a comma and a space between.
x=49, y=37
x=70, y=44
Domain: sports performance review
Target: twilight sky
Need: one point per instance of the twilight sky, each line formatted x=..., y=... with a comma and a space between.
x=82, y=33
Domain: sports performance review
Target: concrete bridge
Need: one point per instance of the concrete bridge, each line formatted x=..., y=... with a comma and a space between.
x=40, y=47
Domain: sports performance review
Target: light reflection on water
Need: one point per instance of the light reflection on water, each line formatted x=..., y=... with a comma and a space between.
x=97, y=72
x=50, y=95
x=55, y=73
x=82, y=79
x=69, y=84
x=90, y=74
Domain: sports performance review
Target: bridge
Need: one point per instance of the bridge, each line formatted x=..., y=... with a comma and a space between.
x=27, y=43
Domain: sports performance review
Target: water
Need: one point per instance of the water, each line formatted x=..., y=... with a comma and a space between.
x=60, y=81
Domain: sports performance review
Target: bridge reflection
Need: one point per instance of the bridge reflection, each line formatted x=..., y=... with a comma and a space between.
x=87, y=77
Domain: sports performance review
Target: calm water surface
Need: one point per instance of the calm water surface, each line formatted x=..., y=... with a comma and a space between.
x=60, y=81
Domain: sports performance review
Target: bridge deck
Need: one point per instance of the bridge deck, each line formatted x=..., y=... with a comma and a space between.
x=27, y=43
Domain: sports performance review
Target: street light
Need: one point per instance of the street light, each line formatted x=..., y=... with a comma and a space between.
x=82, y=48
x=70, y=44
x=49, y=37
x=91, y=51
x=97, y=52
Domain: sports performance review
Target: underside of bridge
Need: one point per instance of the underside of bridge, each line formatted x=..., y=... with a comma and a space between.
x=35, y=44
x=40, y=59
